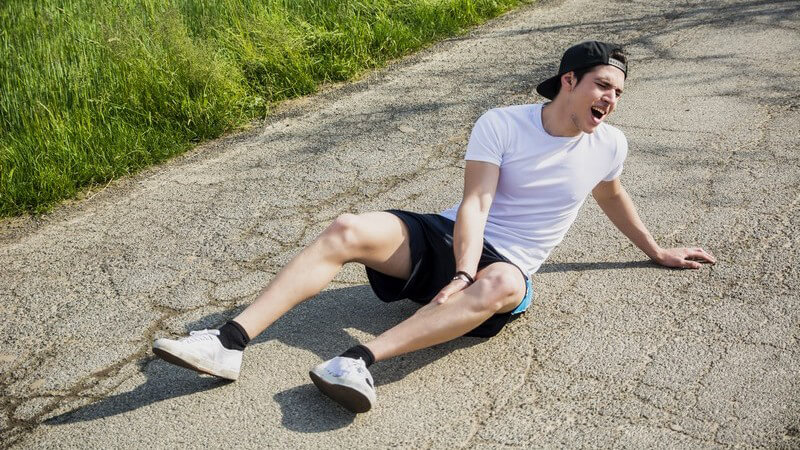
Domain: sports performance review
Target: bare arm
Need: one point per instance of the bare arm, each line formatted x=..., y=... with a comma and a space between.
x=618, y=206
x=480, y=184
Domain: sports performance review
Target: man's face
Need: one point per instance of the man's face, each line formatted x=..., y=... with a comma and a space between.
x=595, y=96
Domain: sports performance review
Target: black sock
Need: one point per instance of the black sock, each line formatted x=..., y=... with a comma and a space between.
x=359, y=351
x=232, y=336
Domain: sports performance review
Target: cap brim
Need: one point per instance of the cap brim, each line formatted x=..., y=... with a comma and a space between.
x=549, y=87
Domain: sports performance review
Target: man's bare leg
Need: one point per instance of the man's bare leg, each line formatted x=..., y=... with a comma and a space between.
x=498, y=288
x=377, y=239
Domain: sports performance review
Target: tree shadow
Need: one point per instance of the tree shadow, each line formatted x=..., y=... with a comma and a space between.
x=319, y=325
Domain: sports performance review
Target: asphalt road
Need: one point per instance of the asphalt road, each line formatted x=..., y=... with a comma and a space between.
x=614, y=352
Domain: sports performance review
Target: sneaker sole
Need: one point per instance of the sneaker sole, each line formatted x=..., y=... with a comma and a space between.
x=183, y=361
x=353, y=400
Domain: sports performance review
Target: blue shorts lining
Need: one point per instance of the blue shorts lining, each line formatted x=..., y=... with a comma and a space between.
x=526, y=301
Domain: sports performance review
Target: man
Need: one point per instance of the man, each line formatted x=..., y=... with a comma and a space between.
x=529, y=169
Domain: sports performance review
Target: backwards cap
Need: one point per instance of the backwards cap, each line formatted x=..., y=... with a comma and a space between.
x=586, y=54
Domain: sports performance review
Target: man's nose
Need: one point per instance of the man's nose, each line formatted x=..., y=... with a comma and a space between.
x=611, y=98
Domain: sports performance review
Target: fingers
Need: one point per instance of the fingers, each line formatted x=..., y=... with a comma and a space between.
x=709, y=257
x=688, y=258
x=453, y=287
x=441, y=297
x=701, y=255
x=689, y=264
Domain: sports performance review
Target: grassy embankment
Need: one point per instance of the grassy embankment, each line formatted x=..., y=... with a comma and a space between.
x=94, y=90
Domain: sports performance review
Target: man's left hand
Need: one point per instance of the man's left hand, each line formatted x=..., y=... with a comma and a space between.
x=684, y=258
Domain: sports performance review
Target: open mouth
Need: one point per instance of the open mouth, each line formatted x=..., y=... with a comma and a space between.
x=598, y=113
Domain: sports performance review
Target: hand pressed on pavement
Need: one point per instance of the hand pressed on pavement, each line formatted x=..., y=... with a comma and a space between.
x=685, y=258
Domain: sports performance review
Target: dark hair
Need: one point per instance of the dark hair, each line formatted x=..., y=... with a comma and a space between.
x=579, y=73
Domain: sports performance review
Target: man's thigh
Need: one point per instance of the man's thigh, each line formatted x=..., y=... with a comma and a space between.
x=384, y=240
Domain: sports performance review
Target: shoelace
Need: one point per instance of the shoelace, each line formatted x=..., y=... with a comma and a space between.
x=357, y=365
x=347, y=365
x=200, y=335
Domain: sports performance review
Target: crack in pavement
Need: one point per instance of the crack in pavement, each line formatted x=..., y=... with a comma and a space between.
x=200, y=235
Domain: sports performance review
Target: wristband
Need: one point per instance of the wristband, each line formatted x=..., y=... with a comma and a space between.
x=464, y=276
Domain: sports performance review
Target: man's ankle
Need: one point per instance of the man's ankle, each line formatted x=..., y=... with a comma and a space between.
x=360, y=352
x=233, y=336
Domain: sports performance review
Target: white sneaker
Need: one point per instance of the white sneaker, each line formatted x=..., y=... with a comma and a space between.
x=201, y=351
x=347, y=381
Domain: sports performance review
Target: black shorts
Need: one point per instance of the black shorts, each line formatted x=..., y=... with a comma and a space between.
x=433, y=265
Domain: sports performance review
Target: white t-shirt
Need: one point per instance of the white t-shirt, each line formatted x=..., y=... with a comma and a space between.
x=543, y=182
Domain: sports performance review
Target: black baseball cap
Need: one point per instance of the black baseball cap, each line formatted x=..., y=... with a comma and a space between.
x=586, y=54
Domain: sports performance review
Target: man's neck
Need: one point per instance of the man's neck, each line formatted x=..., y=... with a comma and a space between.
x=557, y=120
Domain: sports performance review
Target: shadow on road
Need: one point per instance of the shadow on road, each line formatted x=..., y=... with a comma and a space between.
x=580, y=267
x=321, y=325
x=324, y=325
x=162, y=384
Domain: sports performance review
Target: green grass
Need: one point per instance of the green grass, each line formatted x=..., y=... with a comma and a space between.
x=91, y=90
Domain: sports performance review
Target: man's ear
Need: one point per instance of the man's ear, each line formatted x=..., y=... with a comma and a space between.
x=568, y=81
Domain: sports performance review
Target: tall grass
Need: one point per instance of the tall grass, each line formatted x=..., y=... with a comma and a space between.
x=93, y=90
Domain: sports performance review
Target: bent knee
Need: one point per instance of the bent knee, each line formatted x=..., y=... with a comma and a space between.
x=342, y=234
x=501, y=288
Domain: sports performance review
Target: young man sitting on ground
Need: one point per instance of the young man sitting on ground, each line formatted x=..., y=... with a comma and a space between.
x=529, y=169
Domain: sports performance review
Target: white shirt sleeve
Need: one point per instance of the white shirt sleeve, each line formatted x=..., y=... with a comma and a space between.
x=619, y=158
x=485, y=143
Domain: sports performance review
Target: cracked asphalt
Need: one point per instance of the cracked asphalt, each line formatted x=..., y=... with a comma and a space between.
x=615, y=351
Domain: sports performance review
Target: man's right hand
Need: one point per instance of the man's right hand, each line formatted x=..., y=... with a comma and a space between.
x=453, y=287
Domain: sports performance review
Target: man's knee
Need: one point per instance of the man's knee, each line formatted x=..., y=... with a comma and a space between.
x=342, y=235
x=501, y=288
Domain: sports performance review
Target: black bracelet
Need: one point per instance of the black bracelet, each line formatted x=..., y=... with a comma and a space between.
x=465, y=275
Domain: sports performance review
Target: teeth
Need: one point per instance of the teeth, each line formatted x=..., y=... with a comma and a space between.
x=599, y=110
